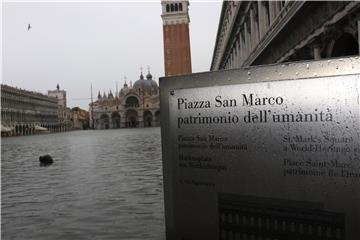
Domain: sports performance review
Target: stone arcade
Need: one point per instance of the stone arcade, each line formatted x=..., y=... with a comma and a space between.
x=263, y=32
x=131, y=107
x=26, y=112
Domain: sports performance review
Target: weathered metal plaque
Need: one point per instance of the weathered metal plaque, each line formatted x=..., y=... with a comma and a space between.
x=264, y=160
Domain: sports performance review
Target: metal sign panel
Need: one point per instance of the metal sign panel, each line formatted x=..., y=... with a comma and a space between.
x=249, y=158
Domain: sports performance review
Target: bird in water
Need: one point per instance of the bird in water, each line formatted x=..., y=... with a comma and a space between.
x=28, y=27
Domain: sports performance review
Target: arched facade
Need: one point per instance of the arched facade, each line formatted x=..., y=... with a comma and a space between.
x=131, y=107
x=264, y=32
x=25, y=112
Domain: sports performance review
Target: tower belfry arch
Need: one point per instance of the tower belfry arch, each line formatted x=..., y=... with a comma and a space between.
x=177, y=54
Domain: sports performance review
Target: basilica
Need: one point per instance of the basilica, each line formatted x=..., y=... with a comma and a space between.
x=133, y=106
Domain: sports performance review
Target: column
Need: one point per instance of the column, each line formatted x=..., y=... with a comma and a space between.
x=233, y=59
x=272, y=11
x=234, y=56
x=237, y=53
x=248, y=37
x=266, y=14
x=261, y=14
x=230, y=61
x=358, y=23
x=229, y=65
x=242, y=46
x=277, y=7
x=317, y=53
x=254, y=37
x=234, y=53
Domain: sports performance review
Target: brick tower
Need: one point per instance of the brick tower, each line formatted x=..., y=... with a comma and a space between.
x=175, y=18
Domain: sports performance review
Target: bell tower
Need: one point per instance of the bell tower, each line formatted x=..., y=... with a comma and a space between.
x=177, y=56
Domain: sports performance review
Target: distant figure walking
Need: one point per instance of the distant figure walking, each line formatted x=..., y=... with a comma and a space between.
x=28, y=27
x=46, y=160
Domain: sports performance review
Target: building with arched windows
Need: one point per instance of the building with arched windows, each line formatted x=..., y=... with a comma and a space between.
x=26, y=112
x=131, y=107
x=264, y=32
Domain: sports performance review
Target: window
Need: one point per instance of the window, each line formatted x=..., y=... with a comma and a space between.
x=167, y=8
x=132, y=102
x=180, y=7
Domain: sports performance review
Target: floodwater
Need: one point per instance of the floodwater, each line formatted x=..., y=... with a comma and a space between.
x=104, y=184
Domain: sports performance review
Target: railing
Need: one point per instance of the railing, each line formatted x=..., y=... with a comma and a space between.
x=131, y=105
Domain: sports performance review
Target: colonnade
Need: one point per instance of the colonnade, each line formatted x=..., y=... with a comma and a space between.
x=256, y=21
x=250, y=33
x=23, y=129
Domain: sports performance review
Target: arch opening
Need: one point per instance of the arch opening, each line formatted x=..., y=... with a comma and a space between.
x=115, y=120
x=148, y=118
x=104, y=121
x=345, y=45
x=131, y=119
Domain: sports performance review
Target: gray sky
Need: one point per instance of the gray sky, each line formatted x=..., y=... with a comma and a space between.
x=78, y=43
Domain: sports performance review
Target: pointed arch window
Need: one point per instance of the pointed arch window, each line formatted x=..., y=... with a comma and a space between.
x=180, y=7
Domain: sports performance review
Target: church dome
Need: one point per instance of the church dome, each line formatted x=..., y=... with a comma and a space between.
x=145, y=84
x=148, y=76
x=125, y=90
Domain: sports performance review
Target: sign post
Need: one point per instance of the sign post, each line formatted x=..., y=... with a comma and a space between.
x=269, y=152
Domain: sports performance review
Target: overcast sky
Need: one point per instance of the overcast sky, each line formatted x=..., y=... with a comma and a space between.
x=78, y=43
